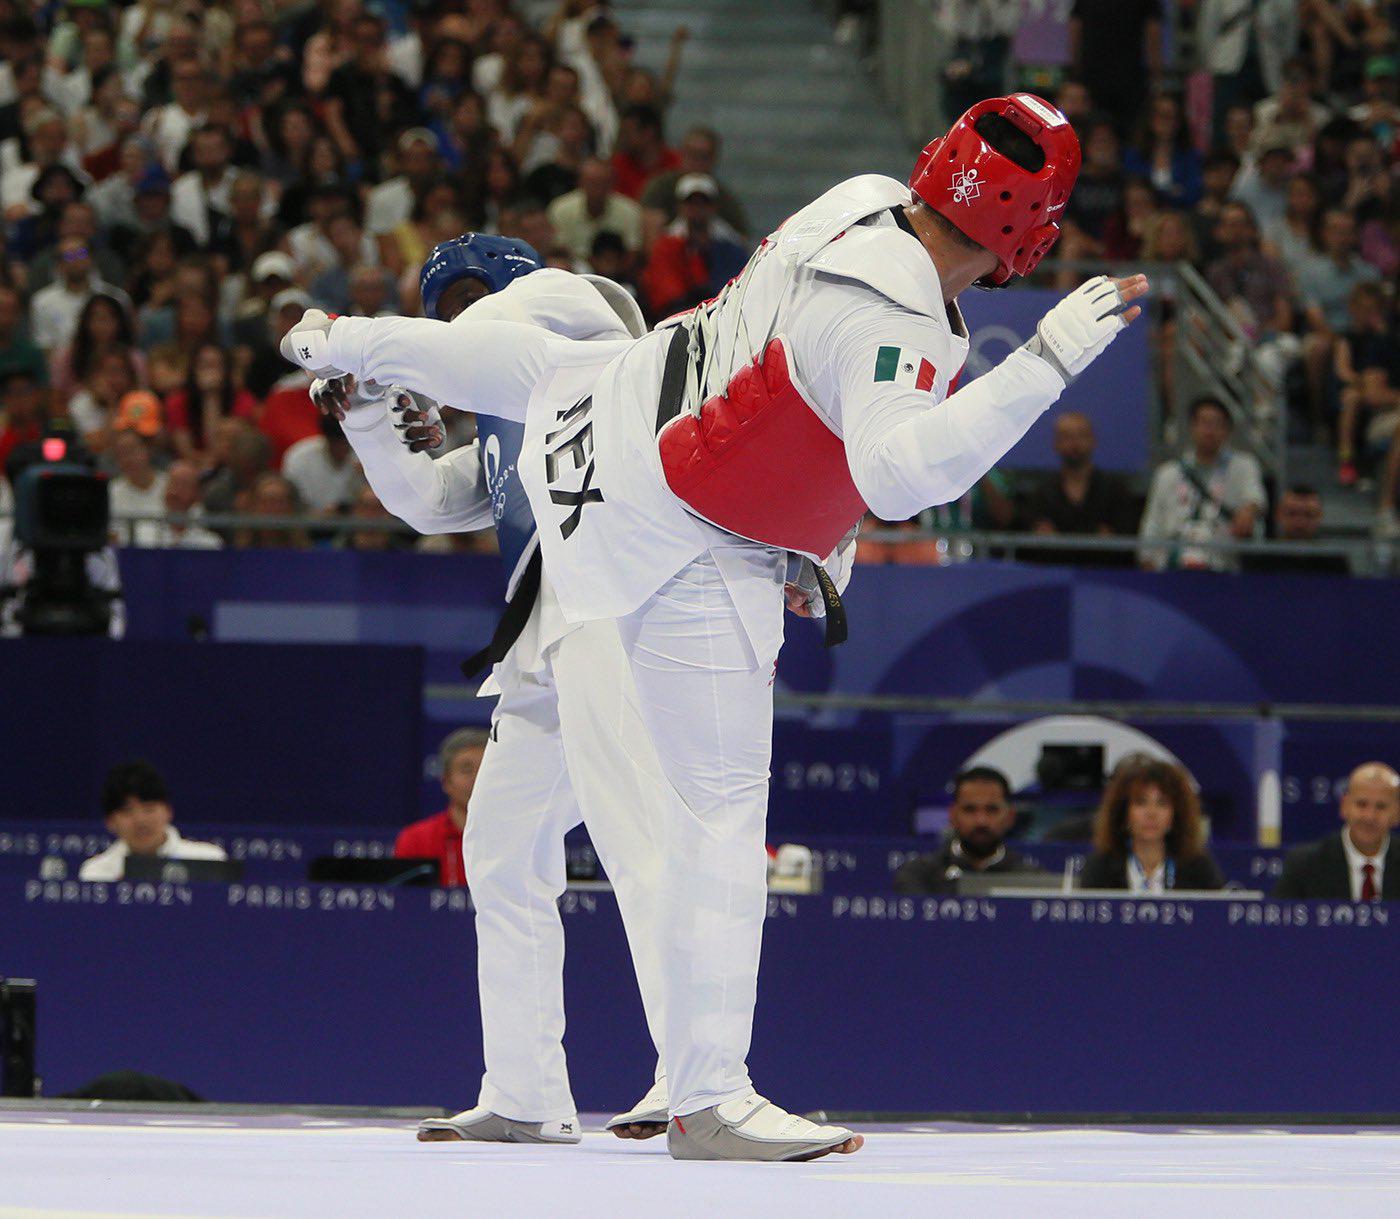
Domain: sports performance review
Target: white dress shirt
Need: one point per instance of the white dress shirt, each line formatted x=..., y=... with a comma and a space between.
x=1356, y=862
x=111, y=863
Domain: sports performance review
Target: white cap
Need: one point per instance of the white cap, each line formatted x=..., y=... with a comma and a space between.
x=291, y=296
x=696, y=184
x=274, y=262
x=417, y=135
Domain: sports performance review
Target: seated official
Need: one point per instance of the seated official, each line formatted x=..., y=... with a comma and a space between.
x=1361, y=863
x=137, y=813
x=978, y=822
x=1148, y=835
x=440, y=836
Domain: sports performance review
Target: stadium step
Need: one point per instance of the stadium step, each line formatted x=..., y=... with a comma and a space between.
x=796, y=111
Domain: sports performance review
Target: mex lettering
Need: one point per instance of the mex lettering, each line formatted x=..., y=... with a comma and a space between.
x=571, y=445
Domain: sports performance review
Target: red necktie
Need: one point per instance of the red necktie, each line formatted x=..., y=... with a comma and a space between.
x=1368, y=885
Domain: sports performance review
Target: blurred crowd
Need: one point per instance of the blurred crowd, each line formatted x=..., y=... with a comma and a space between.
x=180, y=179
x=1258, y=141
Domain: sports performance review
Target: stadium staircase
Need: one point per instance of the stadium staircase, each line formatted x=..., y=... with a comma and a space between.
x=797, y=112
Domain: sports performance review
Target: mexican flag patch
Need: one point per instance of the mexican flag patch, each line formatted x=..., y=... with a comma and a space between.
x=903, y=367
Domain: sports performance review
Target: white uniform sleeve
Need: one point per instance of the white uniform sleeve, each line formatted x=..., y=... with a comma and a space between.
x=443, y=496
x=490, y=367
x=560, y=301
x=908, y=448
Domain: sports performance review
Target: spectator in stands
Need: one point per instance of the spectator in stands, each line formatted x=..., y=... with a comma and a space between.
x=1290, y=118
x=1126, y=230
x=245, y=234
x=1243, y=45
x=365, y=102
x=1116, y=50
x=1148, y=834
x=700, y=148
x=54, y=311
x=23, y=410
x=201, y=197
x=1378, y=111
x=1298, y=519
x=1367, y=368
x=391, y=203
x=595, y=207
x=137, y=813
x=323, y=469
x=1212, y=494
x=980, y=819
x=238, y=454
x=1162, y=153
x=169, y=126
x=272, y=495
x=642, y=152
x=1290, y=237
x=696, y=255
x=1325, y=282
x=440, y=836
x=104, y=327
x=521, y=87
x=1258, y=291
x=16, y=351
x=181, y=499
x=1217, y=176
x=1361, y=863
x=46, y=141
x=1079, y=498
x=1263, y=186
x=92, y=409
x=1098, y=193
x=139, y=488
x=210, y=393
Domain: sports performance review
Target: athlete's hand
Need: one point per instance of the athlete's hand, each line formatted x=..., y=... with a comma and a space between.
x=338, y=396
x=1077, y=330
x=797, y=600
x=421, y=428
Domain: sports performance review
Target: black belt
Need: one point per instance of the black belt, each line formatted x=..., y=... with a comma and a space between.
x=668, y=406
x=513, y=620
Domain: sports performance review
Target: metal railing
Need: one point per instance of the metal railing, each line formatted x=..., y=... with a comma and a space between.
x=1215, y=356
x=1366, y=556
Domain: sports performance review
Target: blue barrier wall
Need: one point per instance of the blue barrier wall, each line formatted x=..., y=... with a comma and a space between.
x=973, y=631
x=287, y=993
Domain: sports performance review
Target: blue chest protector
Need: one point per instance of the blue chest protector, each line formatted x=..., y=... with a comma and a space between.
x=500, y=441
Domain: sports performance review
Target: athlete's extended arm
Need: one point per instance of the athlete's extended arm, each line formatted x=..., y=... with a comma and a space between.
x=442, y=496
x=907, y=453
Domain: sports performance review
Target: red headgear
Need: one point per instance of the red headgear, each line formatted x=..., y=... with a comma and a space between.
x=1012, y=211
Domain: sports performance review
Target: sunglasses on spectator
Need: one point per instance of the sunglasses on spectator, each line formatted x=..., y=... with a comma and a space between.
x=75, y=255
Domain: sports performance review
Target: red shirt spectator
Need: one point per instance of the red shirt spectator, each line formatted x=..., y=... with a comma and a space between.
x=289, y=415
x=440, y=836
x=437, y=837
x=22, y=409
x=641, y=153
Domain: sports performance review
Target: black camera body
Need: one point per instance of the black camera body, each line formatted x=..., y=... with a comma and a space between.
x=18, y=1076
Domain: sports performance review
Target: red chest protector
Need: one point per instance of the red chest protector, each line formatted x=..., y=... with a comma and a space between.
x=760, y=462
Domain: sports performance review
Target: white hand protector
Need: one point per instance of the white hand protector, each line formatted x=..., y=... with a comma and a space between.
x=1075, y=332
x=358, y=405
x=305, y=344
x=418, y=420
x=802, y=576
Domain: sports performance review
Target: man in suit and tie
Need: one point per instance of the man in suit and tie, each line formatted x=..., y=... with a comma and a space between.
x=1362, y=862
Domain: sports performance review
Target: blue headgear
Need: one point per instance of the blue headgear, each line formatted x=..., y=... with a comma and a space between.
x=496, y=261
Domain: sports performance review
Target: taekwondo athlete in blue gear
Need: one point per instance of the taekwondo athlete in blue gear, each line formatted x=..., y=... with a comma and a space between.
x=523, y=803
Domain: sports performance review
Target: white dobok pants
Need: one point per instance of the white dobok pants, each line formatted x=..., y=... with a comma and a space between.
x=520, y=809
x=700, y=653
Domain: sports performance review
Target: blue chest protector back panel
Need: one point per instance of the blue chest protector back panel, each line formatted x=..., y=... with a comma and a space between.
x=500, y=441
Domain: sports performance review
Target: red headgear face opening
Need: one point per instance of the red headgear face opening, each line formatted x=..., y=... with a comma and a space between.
x=1011, y=210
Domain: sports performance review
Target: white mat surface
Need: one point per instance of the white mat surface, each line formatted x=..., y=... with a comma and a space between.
x=56, y=1166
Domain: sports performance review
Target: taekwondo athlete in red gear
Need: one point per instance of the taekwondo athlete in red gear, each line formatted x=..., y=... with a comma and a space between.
x=813, y=386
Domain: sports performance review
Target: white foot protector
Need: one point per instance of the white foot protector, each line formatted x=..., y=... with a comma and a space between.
x=482, y=1126
x=752, y=1128
x=647, y=1118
